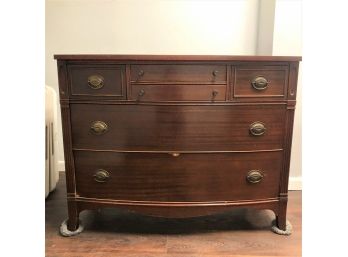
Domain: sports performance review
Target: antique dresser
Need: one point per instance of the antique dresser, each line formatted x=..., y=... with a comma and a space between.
x=177, y=136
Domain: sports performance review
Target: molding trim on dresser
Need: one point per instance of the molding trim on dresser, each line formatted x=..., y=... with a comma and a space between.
x=177, y=136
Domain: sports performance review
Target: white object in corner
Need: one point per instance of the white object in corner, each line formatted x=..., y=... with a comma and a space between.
x=51, y=162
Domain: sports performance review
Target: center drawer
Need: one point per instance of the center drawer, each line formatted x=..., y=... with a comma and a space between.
x=187, y=177
x=169, y=73
x=177, y=127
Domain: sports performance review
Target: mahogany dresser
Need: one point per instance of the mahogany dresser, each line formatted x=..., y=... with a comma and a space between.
x=177, y=136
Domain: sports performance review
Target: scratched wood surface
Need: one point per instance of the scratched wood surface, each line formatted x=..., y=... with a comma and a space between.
x=112, y=232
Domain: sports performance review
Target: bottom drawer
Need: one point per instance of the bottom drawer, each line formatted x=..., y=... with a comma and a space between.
x=186, y=177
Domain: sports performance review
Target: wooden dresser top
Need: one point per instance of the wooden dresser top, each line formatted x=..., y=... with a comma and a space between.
x=218, y=58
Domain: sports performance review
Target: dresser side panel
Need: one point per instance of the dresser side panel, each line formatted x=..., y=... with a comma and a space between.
x=289, y=124
x=66, y=129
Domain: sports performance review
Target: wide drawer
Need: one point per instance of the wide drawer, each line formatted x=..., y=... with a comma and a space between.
x=167, y=73
x=260, y=81
x=187, y=177
x=98, y=80
x=177, y=127
x=158, y=93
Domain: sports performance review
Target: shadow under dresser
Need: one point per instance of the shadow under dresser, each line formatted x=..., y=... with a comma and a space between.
x=177, y=136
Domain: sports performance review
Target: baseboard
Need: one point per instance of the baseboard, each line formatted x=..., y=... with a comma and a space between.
x=295, y=183
x=61, y=165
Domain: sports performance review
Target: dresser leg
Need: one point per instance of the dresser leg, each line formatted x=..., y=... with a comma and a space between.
x=281, y=215
x=281, y=221
x=281, y=226
x=71, y=226
x=73, y=221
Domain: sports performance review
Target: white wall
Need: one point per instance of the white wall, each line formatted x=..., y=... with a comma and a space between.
x=264, y=45
x=287, y=40
x=241, y=27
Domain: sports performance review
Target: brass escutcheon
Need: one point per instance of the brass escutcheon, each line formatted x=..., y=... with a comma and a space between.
x=99, y=127
x=254, y=176
x=96, y=81
x=257, y=128
x=101, y=176
x=259, y=83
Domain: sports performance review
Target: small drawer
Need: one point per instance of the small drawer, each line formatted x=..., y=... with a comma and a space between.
x=212, y=74
x=260, y=81
x=98, y=80
x=157, y=92
x=178, y=177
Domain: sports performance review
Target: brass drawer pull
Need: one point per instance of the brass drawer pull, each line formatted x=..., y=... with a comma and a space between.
x=99, y=127
x=215, y=73
x=141, y=73
x=141, y=92
x=260, y=83
x=96, y=81
x=175, y=154
x=257, y=128
x=101, y=176
x=254, y=176
x=214, y=94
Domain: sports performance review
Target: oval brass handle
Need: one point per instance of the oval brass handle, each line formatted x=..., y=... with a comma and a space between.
x=175, y=154
x=257, y=128
x=215, y=73
x=260, y=83
x=101, y=176
x=99, y=127
x=96, y=81
x=254, y=176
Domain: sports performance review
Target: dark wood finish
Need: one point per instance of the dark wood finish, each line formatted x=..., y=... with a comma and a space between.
x=174, y=210
x=172, y=151
x=184, y=58
x=178, y=73
x=185, y=178
x=114, y=84
x=277, y=76
x=114, y=232
x=178, y=128
x=160, y=93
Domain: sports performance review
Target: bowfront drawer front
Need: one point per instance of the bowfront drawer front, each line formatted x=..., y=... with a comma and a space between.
x=98, y=80
x=209, y=93
x=260, y=82
x=177, y=128
x=214, y=74
x=177, y=177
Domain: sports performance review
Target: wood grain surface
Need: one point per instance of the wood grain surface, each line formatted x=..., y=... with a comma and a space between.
x=185, y=178
x=178, y=128
x=178, y=73
x=277, y=77
x=178, y=92
x=114, y=80
x=185, y=58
